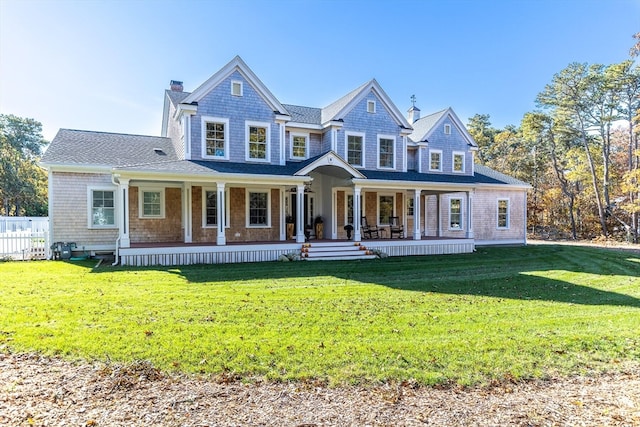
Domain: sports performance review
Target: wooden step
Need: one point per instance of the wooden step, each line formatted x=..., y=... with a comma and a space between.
x=334, y=251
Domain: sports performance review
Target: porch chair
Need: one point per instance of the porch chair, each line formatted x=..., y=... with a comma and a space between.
x=395, y=227
x=369, y=231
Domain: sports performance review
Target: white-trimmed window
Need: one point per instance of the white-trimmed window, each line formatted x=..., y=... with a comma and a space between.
x=150, y=202
x=371, y=107
x=210, y=207
x=299, y=143
x=386, y=152
x=503, y=213
x=258, y=208
x=410, y=206
x=258, y=137
x=355, y=148
x=348, y=212
x=435, y=160
x=458, y=161
x=102, y=207
x=236, y=88
x=447, y=129
x=386, y=207
x=215, y=137
x=455, y=214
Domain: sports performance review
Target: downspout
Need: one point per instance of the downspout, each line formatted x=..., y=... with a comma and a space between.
x=117, y=251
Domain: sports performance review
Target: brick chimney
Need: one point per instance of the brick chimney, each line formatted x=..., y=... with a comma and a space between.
x=176, y=86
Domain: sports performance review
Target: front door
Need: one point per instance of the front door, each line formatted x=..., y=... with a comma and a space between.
x=308, y=209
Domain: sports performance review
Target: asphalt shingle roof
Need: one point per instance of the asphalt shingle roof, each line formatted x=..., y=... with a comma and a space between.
x=422, y=126
x=329, y=112
x=177, y=97
x=80, y=147
x=300, y=114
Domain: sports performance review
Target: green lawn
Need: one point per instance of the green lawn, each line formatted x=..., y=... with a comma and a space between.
x=500, y=313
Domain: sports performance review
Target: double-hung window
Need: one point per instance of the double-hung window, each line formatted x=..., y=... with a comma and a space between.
x=435, y=160
x=355, y=148
x=458, y=161
x=455, y=214
x=257, y=134
x=386, y=149
x=503, y=213
x=151, y=203
x=299, y=146
x=102, y=211
x=410, y=205
x=215, y=138
x=210, y=207
x=258, y=209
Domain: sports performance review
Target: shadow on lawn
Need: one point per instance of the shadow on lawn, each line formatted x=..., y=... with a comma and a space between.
x=511, y=273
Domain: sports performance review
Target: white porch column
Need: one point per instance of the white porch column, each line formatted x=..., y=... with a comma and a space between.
x=300, y=214
x=283, y=215
x=416, y=215
x=357, y=213
x=419, y=159
x=222, y=211
x=187, y=221
x=469, y=214
x=123, y=190
x=438, y=214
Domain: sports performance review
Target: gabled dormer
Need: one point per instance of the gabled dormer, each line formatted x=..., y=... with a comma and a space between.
x=367, y=129
x=442, y=144
x=232, y=116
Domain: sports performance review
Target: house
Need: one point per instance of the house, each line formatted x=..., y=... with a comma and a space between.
x=233, y=163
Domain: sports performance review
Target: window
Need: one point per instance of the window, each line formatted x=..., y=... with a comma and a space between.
x=215, y=134
x=410, y=206
x=299, y=146
x=386, y=157
x=102, y=210
x=435, y=160
x=151, y=203
x=355, y=149
x=258, y=141
x=349, y=209
x=455, y=214
x=258, y=209
x=210, y=207
x=371, y=106
x=458, y=161
x=503, y=213
x=447, y=129
x=385, y=209
x=236, y=88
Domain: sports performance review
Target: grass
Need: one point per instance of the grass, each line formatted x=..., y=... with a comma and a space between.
x=498, y=314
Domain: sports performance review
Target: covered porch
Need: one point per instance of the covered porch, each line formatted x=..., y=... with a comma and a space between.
x=174, y=253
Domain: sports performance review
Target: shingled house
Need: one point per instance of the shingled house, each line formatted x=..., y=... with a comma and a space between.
x=238, y=176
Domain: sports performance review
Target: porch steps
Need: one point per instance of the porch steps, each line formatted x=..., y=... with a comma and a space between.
x=331, y=251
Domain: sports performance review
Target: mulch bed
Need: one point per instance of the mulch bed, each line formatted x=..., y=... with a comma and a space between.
x=41, y=391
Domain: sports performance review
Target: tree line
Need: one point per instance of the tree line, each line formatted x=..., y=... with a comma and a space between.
x=23, y=184
x=579, y=151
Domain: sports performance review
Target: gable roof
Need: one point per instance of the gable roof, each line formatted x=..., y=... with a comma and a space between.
x=237, y=64
x=340, y=108
x=89, y=148
x=424, y=127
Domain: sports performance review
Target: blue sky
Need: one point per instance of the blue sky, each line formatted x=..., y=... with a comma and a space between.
x=104, y=65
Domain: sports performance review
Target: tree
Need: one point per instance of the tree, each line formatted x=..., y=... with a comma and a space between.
x=480, y=129
x=576, y=96
x=23, y=184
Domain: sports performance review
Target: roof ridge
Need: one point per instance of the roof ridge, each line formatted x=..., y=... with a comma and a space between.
x=114, y=133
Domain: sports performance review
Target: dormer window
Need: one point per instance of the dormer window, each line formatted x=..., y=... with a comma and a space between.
x=236, y=88
x=458, y=161
x=371, y=107
x=447, y=129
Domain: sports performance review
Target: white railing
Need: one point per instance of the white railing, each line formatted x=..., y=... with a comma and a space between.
x=24, y=245
x=24, y=223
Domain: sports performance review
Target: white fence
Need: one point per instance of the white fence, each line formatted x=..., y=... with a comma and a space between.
x=24, y=238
